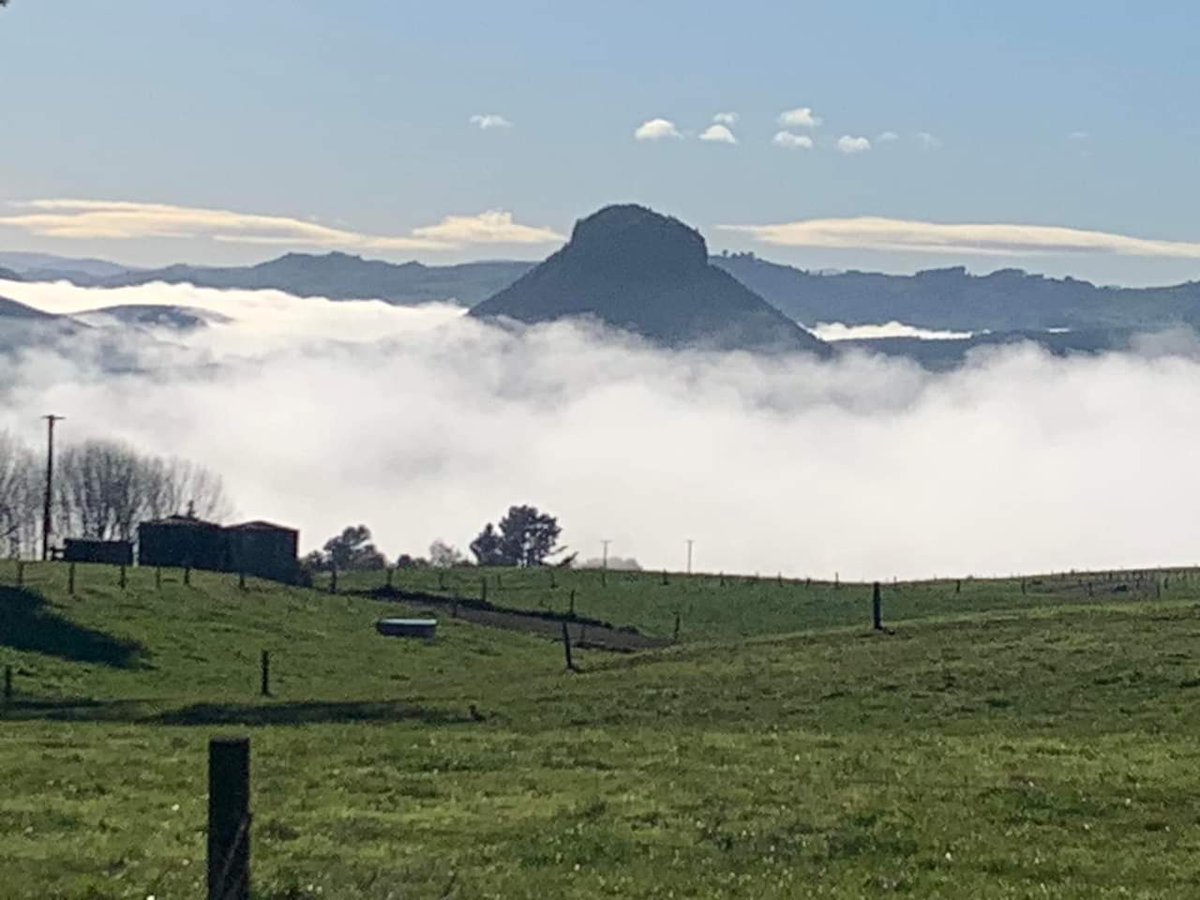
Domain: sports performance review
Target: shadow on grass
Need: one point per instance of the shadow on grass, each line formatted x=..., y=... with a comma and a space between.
x=28, y=623
x=305, y=713
x=301, y=712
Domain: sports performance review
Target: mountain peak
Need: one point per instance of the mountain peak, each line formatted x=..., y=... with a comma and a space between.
x=639, y=235
x=643, y=272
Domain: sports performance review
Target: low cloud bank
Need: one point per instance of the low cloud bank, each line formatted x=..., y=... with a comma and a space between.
x=838, y=331
x=424, y=424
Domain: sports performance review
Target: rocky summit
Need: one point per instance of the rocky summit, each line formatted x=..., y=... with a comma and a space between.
x=636, y=270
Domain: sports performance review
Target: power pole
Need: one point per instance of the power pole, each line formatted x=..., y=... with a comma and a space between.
x=46, y=509
x=604, y=561
x=689, y=565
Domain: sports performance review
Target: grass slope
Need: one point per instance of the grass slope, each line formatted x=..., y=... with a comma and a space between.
x=997, y=745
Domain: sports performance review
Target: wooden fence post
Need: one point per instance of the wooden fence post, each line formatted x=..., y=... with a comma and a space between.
x=567, y=647
x=229, y=819
x=187, y=575
x=242, y=580
x=158, y=577
x=877, y=608
x=483, y=588
x=390, y=573
x=121, y=578
x=266, y=673
x=8, y=688
x=71, y=579
x=676, y=640
x=333, y=578
x=572, y=602
x=20, y=574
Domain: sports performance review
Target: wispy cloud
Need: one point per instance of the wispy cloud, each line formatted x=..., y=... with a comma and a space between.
x=128, y=220
x=851, y=145
x=487, y=121
x=719, y=134
x=928, y=141
x=800, y=117
x=873, y=233
x=792, y=141
x=656, y=130
x=1078, y=136
x=726, y=118
x=887, y=137
x=491, y=227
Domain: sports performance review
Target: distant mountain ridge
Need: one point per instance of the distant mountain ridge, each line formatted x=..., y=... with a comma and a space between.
x=637, y=270
x=341, y=276
x=953, y=299
x=1007, y=300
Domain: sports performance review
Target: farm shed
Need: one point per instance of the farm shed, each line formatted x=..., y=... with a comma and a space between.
x=180, y=542
x=263, y=549
x=89, y=550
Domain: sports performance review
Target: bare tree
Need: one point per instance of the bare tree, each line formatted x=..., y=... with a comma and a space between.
x=105, y=488
x=19, y=496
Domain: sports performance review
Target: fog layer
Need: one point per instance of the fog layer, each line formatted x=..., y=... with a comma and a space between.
x=424, y=424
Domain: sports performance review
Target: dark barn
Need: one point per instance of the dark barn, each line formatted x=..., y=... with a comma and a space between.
x=182, y=542
x=88, y=550
x=264, y=550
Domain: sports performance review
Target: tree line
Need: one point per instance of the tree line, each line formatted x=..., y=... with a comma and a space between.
x=524, y=537
x=102, y=489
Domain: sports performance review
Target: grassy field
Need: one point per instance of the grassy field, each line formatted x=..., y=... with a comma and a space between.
x=1000, y=743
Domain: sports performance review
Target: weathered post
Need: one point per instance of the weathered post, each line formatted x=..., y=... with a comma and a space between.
x=158, y=577
x=665, y=581
x=721, y=579
x=567, y=647
x=877, y=608
x=499, y=586
x=229, y=819
x=390, y=572
x=20, y=573
x=837, y=580
x=71, y=579
x=483, y=588
x=454, y=607
x=242, y=580
x=266, y=673
x=958, y=586
x=676, y=638
x=441, y=580
x=187, y=575
x=553, y=579
x=333, y=578
x=572, y=602
x=8, y=689
x=121, y=578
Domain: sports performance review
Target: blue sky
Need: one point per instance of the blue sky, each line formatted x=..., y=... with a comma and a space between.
x=355, y=116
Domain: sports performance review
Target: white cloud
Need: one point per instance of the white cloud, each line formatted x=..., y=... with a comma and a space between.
x=873, y=233
x=719, y=134
x=878, y=450
x=490, y=120
x=887, y=137
x=850, y=145
x=801, y=117
x=792, y=141
x=1078, y=136
x=726, y=118
x=492, y=227
x=928, y=141
x=656, y=130
x=128, y=220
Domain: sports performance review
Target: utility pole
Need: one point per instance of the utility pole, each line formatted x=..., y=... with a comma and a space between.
x=689, y=565
x=46, y=509
x=604, y=562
